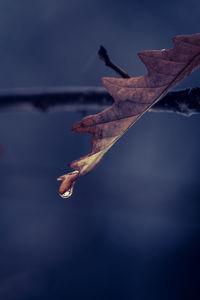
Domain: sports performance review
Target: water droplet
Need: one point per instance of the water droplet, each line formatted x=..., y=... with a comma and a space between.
x=67, y=185
x=67, y=194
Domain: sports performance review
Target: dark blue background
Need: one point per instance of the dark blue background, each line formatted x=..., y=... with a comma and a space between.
x=131, y=229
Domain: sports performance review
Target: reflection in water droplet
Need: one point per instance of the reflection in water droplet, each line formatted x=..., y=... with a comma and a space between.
x=67, y=194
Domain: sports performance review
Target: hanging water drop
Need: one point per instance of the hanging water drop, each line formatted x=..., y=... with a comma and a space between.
x=67, y=194
x=67, y=185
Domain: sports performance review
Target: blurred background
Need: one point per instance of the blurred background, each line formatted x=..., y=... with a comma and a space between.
x=132, y=227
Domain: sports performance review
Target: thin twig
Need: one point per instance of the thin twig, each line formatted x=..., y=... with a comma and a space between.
x=103, y=55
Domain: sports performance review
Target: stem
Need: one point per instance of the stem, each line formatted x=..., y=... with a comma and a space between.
x=103, y=55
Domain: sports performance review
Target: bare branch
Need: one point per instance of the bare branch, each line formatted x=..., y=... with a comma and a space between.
x=83, y=99
x=186, y=102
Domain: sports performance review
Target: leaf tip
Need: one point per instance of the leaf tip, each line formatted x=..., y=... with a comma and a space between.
x=104, y=80
x=108, y=81
x=67, y=185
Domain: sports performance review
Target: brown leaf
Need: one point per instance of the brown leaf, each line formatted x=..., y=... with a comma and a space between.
x=133, y=97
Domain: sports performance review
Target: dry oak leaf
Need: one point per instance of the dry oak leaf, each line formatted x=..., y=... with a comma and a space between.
x=133, y=97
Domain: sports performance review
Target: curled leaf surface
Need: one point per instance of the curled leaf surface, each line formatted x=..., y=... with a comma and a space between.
x=134, y=96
